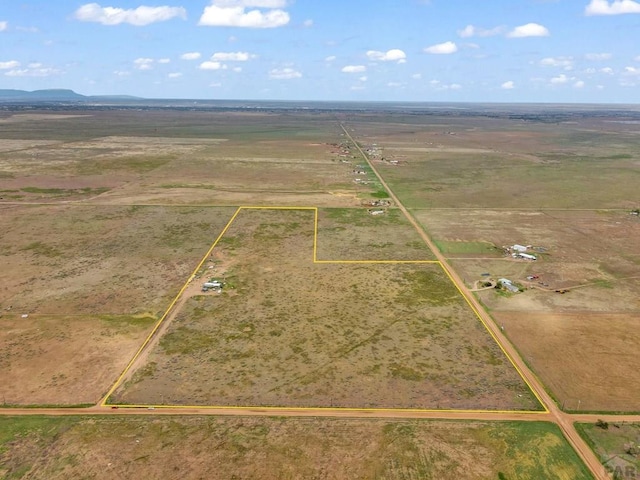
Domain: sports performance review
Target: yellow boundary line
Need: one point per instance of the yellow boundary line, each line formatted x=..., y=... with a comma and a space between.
x=117, y=383
x=495, y=339
x=166, y=313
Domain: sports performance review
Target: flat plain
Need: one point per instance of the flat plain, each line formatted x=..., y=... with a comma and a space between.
x=288, y=332
x=566, y=185
x=106, y=213
x=274, y=448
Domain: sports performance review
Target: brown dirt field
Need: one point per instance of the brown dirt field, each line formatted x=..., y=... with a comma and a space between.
x=354, y=234
x=587, y=358
x=65, y=360
x=289, y=332
x=275, y=448
x=72, y=259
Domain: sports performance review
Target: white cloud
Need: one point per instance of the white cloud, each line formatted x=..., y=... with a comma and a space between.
x=598, y=57
x=394, y=84
x=632, y=70
x=232, y=56
x=560, y=79
x=9, y=65
x=215, y=84
x=607, y=70
x=330, y=58
x=143, y=63
x=438, y=85
x=286, y=73
x=393, y=55
x=234, y=13
x=28, y=29
x=3, y=26
x=164, y=60
x=564, y=62
x=508, y=85
x=237, y=69
x=442, y=48
x=416, y=76
x=38, y=71
x=363, y=78
x=354, y=69
x=143, y=15
x=174, y=75
x=578, y=84
x=637, y=59
x=473, y=31
x=212, y=66
x=190, y=56
x=529, y=30
x=308, y=23
x=121, y=73
x=616, y=7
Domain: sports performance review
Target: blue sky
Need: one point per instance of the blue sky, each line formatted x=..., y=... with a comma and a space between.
x=386, y=50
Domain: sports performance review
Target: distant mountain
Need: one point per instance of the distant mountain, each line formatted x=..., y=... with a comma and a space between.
x=56, y=95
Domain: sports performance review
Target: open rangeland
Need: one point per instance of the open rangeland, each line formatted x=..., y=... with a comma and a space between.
x=367, y=234
x=617, y=445
x=286, y=331
x=220, y=158
x=81, y=287
x=567, y=187
x=65, y=359
x=479, y=162
x=79, y=259
x=276, y=448
x=591, y=254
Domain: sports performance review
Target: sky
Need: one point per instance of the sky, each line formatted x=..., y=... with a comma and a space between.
x=561, y=51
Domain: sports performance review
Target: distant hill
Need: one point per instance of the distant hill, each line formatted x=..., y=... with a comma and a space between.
x=55, y=95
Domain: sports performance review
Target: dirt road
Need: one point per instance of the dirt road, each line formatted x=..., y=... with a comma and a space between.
x=563, y=420
x=553, y=414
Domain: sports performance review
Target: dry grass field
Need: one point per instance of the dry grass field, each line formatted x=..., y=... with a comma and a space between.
x=277, y=448
x=597, y=367
x=65, y=359
x=105, y=213
x=479, y=162
x=91, y=281
x=567, y=187
x=290, y=332
x=72, y=259
x=151, y=157
x=355, y=234
x=594, y=254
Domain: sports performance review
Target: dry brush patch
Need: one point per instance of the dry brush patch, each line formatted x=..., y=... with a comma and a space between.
x=289, y=332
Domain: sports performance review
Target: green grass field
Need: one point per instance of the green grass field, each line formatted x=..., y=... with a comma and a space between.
x=276, y=448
